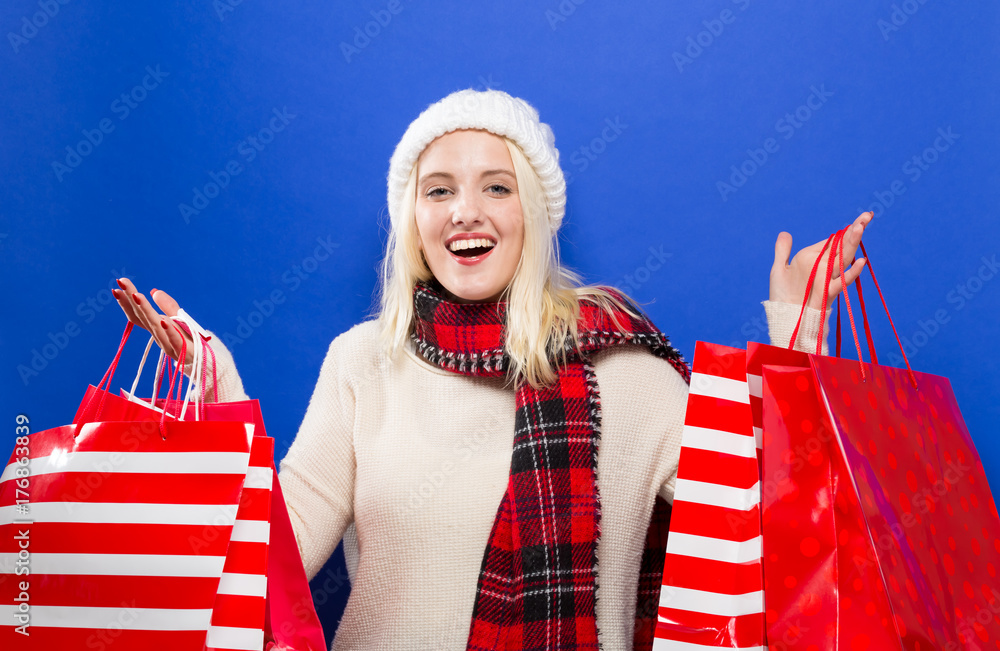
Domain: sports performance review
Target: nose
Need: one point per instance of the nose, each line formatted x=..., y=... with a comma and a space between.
x=467, y=209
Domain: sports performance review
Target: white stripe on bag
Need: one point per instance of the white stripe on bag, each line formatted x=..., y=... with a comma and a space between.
x=222, y=515
x=237, y=639
x=118, y=564
x=713, y=603
x=756, y=385
x=719, y=387
x=259, y=477
x=660, y=644
x=258, y=531
x=714, y=440
x=243, y=585
x=211, y=463
x=758, y=435
x=127, y=618
x=699, y=492
x=714, y=549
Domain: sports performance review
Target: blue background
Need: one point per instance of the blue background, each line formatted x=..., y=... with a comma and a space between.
x=693, y=90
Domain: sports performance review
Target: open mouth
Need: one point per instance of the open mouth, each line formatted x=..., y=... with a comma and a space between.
x=471, y=248
x=472, y=252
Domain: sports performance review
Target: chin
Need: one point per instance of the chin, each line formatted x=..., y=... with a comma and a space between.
x=474, y=294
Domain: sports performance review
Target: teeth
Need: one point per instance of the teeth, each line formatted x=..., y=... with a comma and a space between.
x=459, y=245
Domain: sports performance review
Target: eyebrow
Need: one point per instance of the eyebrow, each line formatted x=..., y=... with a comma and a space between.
x=446, y=175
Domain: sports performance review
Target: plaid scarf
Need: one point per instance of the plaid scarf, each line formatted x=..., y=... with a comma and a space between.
x=538, y=582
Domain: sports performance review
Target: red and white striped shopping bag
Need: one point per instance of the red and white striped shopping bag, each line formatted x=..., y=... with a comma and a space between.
x=116, y=537
x=239, y=611
x=712, y=594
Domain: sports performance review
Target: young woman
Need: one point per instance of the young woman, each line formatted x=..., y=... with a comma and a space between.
x=494, y=446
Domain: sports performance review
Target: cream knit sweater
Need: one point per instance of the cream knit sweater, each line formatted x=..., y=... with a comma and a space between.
x=407, y=463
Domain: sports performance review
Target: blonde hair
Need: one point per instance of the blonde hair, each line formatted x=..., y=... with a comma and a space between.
x=542, y=298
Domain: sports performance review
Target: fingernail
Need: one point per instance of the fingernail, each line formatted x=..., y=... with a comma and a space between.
x=164, y=324
x=135, y=297
x=114, y=292
x=121, y=284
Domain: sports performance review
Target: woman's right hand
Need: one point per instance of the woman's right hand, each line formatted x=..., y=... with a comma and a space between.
x=141, y=312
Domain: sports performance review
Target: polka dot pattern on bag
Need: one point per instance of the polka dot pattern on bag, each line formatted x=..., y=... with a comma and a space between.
x=933, y=524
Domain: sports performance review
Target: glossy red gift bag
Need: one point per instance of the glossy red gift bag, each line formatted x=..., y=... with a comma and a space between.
x=880, y=531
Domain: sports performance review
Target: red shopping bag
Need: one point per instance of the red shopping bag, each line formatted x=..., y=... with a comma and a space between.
x=267, y=588
x=239, y=617
x=896, y=535
x=711, y=595
x=96, y=520
x=264, y=596
x=289, y=615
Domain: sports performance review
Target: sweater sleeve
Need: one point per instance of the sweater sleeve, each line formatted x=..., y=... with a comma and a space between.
x=317, y=474
x=781, y=320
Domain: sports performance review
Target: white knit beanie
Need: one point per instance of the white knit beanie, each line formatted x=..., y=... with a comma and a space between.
x=494, y=111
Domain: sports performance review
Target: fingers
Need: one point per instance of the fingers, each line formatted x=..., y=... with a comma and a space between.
x=165, y=302
x=144, y=312
x=850, y=275
x=782, y=249
x=125, y=302
x=141, y=312
x=852, y=238
x=178, y=341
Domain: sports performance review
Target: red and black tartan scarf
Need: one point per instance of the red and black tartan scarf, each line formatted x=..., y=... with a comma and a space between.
x=538, y=581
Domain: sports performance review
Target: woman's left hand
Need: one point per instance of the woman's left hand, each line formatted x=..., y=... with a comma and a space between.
x=789, y=280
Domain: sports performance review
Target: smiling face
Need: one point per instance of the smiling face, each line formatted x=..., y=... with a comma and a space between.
x=468, y=214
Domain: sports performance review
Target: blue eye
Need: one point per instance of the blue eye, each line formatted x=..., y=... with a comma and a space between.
x=503, y=189
x=433, y=192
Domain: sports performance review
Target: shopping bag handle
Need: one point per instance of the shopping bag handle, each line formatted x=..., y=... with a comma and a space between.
x=835, y=243
x=871, y=270
x=177, y=370
x=109, y=374
x=105, y=384
x=198, y=376
x=850, y=315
